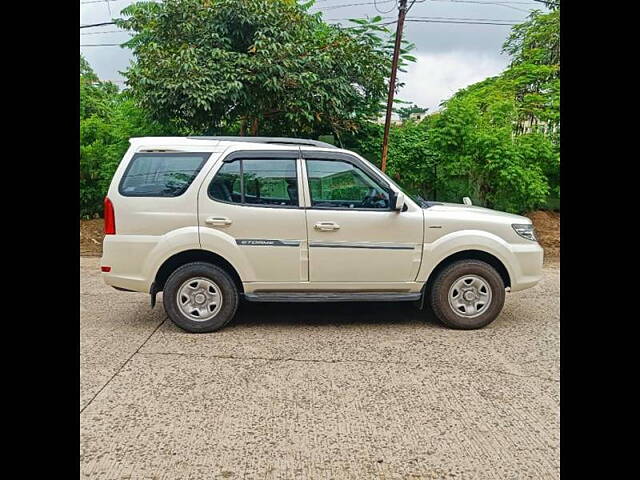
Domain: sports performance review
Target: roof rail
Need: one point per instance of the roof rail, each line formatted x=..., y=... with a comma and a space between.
x=270, y=140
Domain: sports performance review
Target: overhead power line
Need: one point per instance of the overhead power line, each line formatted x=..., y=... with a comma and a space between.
x=347, y=18
x=106, y=31
x=447, y=20
x=376, y=3
x=415, y=1
x=423, y=20
x=91, y=25
x=443, y=18
x=479, y=2
x=500, y=4
x=470, y=19
x=427, y=20
x=98, y=1
x=100, y=44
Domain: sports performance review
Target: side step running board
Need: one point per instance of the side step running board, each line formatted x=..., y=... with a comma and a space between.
x=332, y=297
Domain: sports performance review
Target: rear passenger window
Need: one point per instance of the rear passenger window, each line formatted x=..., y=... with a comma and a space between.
x=257, y=182
x=161, y=174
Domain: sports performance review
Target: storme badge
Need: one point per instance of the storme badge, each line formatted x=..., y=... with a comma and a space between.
x=266, y=242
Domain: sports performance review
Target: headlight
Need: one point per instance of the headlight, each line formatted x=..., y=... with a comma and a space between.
x=525, y=230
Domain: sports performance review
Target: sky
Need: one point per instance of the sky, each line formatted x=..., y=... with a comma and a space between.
x=450, y=56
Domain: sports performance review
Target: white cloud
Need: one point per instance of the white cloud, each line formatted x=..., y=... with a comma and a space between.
x=434, y=77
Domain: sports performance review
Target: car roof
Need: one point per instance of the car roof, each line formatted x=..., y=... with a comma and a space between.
x=211, y=143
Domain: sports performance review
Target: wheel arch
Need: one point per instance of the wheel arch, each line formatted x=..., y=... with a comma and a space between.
x=194, y=255
x=481, y=255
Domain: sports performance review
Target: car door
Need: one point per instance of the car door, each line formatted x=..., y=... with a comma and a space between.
x=354, y=233
x=252, y=199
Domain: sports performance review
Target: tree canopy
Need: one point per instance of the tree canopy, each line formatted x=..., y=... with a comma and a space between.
x=503, y=133
x=267, y=64
x=405, y=112
x=108, y=118
x=269, y=67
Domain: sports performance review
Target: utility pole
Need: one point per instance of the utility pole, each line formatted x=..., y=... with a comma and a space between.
x=402, y=11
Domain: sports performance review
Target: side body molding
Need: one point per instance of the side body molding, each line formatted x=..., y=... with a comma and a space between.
x=223, y=244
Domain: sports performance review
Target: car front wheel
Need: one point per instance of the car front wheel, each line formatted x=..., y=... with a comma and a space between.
x=467, y=294
x=200, y=297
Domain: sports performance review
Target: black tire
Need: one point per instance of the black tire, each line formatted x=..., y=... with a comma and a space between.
x=439, y=294
x=227, y=287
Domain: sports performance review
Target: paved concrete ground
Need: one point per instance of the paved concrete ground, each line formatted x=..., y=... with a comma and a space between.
x=336, y=391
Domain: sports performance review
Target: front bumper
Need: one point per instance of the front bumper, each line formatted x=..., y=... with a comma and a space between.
x=526, y=268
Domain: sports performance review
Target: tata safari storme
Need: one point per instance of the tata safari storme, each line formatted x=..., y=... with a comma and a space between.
x=211, y=220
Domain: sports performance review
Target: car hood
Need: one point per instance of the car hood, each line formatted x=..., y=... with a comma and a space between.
x=461, y=208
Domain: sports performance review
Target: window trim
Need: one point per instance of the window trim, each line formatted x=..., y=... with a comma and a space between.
x=239, y=155
x=205, y=158
x=356, y=162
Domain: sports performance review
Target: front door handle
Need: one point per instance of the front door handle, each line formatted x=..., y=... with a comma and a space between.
x=326, y=226
x=218, y=221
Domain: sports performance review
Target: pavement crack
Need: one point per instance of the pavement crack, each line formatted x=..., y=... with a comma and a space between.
x=269, y=359
x=360, y=360
x=522, y=376
x=122, y=366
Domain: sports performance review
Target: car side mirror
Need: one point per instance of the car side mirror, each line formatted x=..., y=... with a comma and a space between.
x=399, y=201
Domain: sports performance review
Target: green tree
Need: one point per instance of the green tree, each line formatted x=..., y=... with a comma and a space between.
x=405, y=112
x=498, y=140
x=108, y=118
x=411, y=162
x=534, y=46
x=537, y=40
x=473, y=138
x=267, y=65
x=95, y=96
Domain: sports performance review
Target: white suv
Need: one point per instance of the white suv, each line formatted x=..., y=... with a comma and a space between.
x=207, y=220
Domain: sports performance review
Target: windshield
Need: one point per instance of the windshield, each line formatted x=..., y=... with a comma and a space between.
x=418, y=199
x=415, y=197
x=380, y=172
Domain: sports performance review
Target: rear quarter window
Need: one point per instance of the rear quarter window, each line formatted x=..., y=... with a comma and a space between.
x=161, y=174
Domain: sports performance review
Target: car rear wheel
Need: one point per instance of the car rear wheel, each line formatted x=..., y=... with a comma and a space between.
x=200, y=297
x=467, y=294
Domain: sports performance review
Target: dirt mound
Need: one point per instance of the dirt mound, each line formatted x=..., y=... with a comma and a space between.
x=547, y=225
x=91, y=234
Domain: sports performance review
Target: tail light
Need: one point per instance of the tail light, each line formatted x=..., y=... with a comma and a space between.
x=109, y=217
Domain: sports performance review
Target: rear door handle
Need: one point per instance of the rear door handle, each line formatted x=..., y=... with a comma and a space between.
x=326, y=226
x=218, y=221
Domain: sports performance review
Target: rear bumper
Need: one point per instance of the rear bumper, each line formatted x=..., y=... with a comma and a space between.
x=526, y=269
x=126, y=254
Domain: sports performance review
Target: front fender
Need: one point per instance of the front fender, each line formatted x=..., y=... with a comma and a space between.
x=460, y=241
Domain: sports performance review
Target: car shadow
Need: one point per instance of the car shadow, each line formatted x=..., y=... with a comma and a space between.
x=333, y=313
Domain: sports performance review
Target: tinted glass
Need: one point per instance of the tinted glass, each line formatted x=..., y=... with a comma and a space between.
x=265, y=182
x=270, y=182
x=226, y=184
x=337, y=184
x=161, y=174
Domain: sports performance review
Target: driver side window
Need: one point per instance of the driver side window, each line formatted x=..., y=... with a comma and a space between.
x=339, y=184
